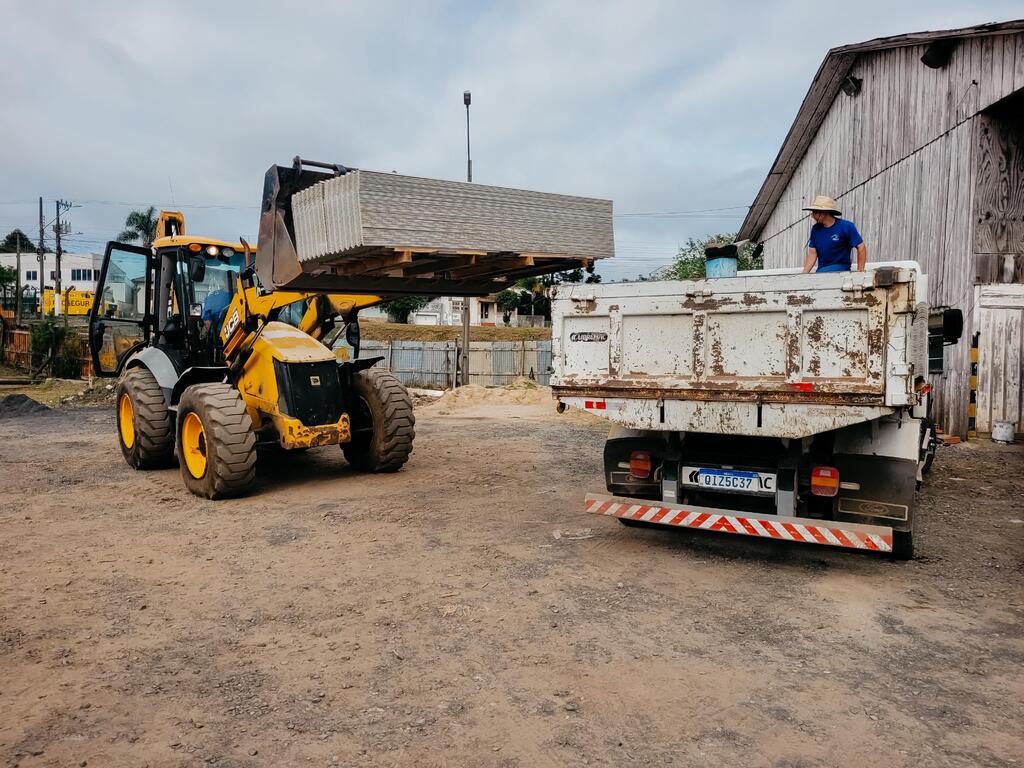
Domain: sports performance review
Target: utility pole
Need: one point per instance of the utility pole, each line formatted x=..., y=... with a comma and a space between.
x=17, y=285
x=40, y=250
x=467, y=99
x=58, y=230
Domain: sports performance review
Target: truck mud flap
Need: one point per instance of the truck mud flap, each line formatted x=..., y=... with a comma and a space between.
x=874, y=538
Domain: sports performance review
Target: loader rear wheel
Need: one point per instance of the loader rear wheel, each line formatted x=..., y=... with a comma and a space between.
x=216, y=442
x=385, y=410
x=144, y=427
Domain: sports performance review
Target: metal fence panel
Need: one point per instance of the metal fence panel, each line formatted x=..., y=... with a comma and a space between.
x=427, y=364
x=433, y=364
x=544, y=360
x=506, y=361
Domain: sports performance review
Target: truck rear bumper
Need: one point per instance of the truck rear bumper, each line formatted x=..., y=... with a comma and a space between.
x=876, y=538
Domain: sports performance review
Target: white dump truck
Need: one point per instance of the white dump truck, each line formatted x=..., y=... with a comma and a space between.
x=773, y=404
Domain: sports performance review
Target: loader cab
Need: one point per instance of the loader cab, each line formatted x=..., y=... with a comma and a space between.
x=172, y=296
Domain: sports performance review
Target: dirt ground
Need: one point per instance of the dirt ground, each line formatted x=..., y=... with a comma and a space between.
x=466, y=612
x=382, y=331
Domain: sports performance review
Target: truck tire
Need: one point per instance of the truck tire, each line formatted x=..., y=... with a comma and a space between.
x=383, y=406
x=902, y=545
x=145, y=429
x=216, y=442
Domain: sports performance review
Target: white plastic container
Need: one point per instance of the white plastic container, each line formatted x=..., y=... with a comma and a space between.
x=1002, y=432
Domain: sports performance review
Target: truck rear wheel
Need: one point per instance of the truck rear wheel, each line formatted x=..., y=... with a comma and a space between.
x=902, y=545
x=144, y=428
x=383, y=424
x=216, y=442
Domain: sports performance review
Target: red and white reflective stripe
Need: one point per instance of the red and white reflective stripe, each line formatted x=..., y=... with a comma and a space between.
x=832, y=534
x=596, y=405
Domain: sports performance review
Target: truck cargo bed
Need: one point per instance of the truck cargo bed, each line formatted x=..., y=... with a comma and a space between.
x=760, y=353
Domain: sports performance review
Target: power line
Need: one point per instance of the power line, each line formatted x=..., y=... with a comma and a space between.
x=688, y=213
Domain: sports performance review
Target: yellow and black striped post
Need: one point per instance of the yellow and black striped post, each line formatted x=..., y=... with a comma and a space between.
x=972, y=406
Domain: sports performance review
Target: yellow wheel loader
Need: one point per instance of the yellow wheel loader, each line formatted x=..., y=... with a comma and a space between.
x=212, y=365
x=221, y=348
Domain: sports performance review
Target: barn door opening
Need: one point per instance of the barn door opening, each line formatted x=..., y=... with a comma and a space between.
x=999, y=193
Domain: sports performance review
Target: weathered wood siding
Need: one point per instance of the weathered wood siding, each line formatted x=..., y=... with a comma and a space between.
x=900, y=159
x=1000, y=313
x=999, y=195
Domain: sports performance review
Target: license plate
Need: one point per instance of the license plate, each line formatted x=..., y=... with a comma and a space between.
x=730, y=480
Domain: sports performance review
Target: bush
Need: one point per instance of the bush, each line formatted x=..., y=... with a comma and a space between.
x=52, y=339
x=689, y=262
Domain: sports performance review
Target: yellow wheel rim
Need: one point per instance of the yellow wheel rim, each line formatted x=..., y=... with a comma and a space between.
x=193, y=445
x=126, y=420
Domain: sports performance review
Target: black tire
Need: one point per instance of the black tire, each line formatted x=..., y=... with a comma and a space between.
x=152, y=424
x=384, y=406
x=902, y=545
x=227, y=441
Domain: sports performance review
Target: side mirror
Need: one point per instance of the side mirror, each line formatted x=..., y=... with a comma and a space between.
x=197, y=268
x=952, y=325
x=352, y=335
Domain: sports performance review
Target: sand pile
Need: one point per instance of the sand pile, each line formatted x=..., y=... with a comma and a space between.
x=519, y=392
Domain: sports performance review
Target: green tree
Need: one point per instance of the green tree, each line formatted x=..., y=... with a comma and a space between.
x=399, y=309
x=13, y=239
x=508, y=302
x=538, y=288
x=8, y=287
x=140, y=226
x=689, y=263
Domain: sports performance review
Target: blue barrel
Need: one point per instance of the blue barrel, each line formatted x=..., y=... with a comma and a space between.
x=722, y=266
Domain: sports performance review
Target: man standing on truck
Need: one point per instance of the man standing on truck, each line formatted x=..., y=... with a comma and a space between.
x=832, y=239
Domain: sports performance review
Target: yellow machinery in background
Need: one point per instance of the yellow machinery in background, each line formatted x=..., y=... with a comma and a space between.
x=72, y=302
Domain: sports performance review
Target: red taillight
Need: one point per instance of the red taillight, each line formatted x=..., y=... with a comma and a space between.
x=803, y=386
x=824, y=481
x=640, y=465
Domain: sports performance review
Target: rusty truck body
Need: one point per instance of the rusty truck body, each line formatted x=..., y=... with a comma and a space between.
x=775, y=404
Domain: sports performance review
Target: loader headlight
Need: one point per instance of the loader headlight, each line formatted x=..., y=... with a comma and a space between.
x=212, y=250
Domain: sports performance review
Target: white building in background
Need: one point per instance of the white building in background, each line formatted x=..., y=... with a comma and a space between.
x=80, y=271
x=447, y=310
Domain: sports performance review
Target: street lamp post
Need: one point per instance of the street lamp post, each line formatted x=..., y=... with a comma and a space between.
x=467, y=99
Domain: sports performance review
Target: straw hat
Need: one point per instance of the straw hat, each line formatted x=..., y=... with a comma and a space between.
x=825, y=205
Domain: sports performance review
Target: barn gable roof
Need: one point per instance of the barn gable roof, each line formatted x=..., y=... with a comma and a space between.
x=822, y=92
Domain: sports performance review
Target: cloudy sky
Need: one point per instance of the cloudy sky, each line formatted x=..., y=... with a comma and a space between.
x=665, y=107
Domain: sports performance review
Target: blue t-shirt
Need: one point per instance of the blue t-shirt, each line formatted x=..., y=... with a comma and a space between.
x=215, y=307
x=834, y=244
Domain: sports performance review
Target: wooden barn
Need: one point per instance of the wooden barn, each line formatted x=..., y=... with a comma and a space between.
x=920, y=138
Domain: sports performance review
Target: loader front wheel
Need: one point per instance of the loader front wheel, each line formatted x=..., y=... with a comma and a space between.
x=382, y=422
x=144, y=428
x=216, y=442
